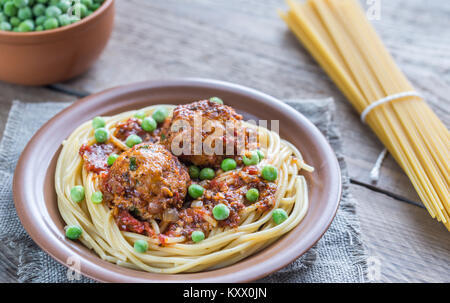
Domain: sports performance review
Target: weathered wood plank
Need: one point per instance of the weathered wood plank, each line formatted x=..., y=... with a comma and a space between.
x=410, y=245
x=245, y=42
x=9, y=93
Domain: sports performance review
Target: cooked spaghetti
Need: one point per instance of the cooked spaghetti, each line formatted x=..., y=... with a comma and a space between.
x=347, y=47
x=125, y=195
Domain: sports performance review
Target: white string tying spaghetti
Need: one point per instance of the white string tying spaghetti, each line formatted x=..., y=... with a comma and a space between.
x=375, y=171
x=390, y=98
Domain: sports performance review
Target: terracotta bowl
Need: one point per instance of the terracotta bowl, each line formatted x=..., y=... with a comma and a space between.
x=40, y=58
x=35, y=197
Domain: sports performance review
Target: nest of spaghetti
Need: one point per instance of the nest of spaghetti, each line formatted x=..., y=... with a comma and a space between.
x=170, y=189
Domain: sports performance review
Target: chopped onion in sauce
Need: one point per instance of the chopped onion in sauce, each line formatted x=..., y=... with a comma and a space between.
x=170, y=215
x=197, y=204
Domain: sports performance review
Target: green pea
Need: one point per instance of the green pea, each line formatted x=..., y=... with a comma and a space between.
x=97, y=197
x=101, y=135
x=160, y=114
x=252, y=195
x=43, y=14
x=3, y=17
x=149, y=124
x=25, y=13
x=207, y=174
x=53, y=11
x=252, y=160
x=228, y=164
x=51, y=23
x=98, y=122
x=39, y=10
x=279, y=215
x=26, y=26
x=221, y=212
x=14, y=21
x=195, y=191
x=269, y=173
x=95, y=6
x=64, y=5
x=141, y=246
x=73, y=232
x=132, y=140
x=77, y=193
x=74, y=19
x=64, y=20
x=260, y=155
x=10, y=9
x=194, y=172
x=216, y=100
x=5, y=26
x=140, y=115
x=80, y=10
x=21, y=3
x=40, y=21
x=87, y=3
x=197, y=236
x=111, y=159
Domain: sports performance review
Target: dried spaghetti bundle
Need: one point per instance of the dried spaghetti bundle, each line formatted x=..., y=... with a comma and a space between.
x=347, y=47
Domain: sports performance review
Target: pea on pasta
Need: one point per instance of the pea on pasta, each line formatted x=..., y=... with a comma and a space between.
x=124, y=191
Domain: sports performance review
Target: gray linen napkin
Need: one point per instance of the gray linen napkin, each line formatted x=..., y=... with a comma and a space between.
x=339, y=256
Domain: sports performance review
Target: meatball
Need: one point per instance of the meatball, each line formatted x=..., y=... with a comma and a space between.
x=146, y=180
x=215, y=125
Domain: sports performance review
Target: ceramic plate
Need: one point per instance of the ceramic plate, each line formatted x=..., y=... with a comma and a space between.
x=36, y=203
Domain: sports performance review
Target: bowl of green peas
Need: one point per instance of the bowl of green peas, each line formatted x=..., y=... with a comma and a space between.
x=49, y=41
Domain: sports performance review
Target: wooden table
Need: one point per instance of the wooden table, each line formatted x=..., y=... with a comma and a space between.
x=244, y=41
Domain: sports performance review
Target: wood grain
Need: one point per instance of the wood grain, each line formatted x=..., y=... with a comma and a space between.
x=244, y=41
x=9, y=93
x=409, y=246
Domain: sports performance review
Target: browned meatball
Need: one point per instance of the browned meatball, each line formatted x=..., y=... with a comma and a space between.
x=213, y=121
x=146, y=180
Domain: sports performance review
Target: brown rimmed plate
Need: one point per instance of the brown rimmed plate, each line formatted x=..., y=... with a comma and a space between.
x=35, y=197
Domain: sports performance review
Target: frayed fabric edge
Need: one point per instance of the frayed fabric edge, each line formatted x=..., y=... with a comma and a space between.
x=30, y=267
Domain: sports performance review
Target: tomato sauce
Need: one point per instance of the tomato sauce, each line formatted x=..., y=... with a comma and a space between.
x=127, y=222
x=132, y=126
x=190, y=220
x=129, y=217
x=95, y=156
